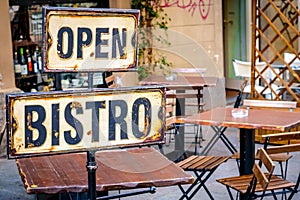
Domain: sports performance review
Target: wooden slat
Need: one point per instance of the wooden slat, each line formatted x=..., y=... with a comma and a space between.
x=284, y=148
x=198, y=163
x=285, y=136
x=260, y=176
x=240, y=183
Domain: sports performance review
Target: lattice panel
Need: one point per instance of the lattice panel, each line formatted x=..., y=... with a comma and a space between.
x=276, y=32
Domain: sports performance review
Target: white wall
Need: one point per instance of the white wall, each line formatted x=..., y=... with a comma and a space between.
x=196, y=34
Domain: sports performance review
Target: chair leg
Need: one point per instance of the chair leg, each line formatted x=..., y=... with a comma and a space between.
x=274, y=195
x=184, y=194
x=198, y=137
x=230, y=194
x=201, y=183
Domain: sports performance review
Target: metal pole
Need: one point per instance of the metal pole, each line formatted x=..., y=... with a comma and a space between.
x=91, y=164
x=91, y=167
x=90, y=80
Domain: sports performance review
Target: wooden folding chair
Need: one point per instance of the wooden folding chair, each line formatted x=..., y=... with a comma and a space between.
x=279, y=139
x=203, y=167
x=288, y=186
x=262, y=180
x=247, y=185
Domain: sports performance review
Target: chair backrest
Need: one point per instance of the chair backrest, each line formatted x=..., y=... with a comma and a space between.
x=261, y=177
x=239, y=97
x=269, y=104
x=284, y=138
x=243, y=68
x=283, y=148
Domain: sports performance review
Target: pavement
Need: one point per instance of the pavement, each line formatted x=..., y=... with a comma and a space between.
x=12, y=188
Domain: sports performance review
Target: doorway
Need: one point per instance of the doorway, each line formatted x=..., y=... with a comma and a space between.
x=235, y=38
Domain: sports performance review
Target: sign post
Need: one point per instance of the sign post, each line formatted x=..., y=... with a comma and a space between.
x=86, y=40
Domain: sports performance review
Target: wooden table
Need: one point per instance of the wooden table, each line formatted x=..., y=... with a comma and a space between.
x=117, y=169
x=181, y=84
x=257, y=119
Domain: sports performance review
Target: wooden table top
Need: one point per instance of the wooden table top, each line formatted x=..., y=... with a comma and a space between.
x=181, y=82
x=117, y=169
x=267, y=119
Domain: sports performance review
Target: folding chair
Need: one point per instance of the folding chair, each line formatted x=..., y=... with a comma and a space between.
x=243, y=69
x=288, y=186
x=256, y=185
x=249, y=184
x=282, y=157
x=203, y=167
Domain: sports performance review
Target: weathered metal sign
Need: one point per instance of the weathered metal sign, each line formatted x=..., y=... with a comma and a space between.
x=88, y=39
x=59, y=122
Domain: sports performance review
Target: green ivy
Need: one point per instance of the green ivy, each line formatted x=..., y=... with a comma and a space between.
x=152, y=17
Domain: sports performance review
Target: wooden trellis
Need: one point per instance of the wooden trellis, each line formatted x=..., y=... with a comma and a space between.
x=275, y=31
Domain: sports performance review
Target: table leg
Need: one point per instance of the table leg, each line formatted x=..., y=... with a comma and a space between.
x=179, y=137
x=179, y=152
x=247, y=148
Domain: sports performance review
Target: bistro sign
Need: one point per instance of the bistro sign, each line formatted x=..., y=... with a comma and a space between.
x=58, y=122
x=85, y=39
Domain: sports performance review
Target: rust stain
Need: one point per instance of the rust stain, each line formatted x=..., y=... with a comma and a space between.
x=29, y=118
x=75, y=67
x=89, y=132
x=75, y=105
x=124, y=56
x=154, y=137
x=30, y=145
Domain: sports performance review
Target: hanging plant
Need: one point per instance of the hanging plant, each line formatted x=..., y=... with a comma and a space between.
x=152, y=19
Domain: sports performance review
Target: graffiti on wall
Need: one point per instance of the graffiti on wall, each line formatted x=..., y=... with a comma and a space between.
x=192, y=6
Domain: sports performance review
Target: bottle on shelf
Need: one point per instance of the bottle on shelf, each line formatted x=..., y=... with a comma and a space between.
x=17, y=65
x=24, y=69
x=29, y=62
x=35, y=58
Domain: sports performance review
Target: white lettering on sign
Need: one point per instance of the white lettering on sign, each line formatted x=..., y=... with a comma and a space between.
x=90, y=40
x=65, y=122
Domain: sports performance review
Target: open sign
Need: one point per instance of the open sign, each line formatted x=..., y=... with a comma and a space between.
x=63, y=122
x=85, y=39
